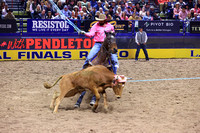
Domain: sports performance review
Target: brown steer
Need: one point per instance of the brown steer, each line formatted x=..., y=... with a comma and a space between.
x=95, y=78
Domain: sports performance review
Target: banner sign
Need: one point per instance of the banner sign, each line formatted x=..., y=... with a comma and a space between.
x=46, y=43
x=78, y=48
x=160, y=26
x=120, y=26
x=194, y=26
x=48, y=26
x=8, y=26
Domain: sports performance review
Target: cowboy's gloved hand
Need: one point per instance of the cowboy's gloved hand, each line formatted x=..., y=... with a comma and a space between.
x=81, y=32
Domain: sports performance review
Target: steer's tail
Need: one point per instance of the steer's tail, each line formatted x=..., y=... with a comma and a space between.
x=48, y=86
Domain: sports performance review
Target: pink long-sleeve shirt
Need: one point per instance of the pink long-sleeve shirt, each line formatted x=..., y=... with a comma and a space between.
x=99, y=31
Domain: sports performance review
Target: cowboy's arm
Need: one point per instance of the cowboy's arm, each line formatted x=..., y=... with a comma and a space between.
x=92, y=31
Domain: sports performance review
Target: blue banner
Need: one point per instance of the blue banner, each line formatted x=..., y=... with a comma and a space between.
x=160, y=26
x=48, y=26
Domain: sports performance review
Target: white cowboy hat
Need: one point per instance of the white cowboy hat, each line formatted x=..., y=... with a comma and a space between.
x=102, y=17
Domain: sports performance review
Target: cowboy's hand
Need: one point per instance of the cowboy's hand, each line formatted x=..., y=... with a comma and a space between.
x=81, y=32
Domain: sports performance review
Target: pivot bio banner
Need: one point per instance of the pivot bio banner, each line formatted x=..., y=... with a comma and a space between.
x=160, y=26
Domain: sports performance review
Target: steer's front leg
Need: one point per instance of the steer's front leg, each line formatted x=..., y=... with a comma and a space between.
x=96, y=93
x=105, y=101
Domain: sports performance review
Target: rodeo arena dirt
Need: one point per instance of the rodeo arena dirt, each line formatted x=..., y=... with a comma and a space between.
x=169, y=106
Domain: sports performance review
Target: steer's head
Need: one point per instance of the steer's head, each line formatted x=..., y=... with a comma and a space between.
x=118, y=84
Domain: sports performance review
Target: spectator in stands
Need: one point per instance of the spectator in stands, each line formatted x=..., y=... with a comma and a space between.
x=89, y=7
x=148, y=17
x=123, y=16
x=141, y=40
x=37, y=11
x=33, y=7
x=82, y=16
x=93, y=3
x=119, y=11
x=198, y=3
x=90, y=17
x=183, y=14
x=128, y=11
x=84, y=9
x=111, y=11
x=113, y=4
x=177, y=9
x=84, y=3
x=93, y=13
x=156, y=17
x=4, y=10
x=101, y=10
x=142, y=13
x=42, y=15
x=147, y=7
x=9, y=15
x=106, y=5
x=129, y=4
x=137, y=7
x=142, y=3
x=76, y=9
x=75, y=16
x=192, y=12
x=99, y=4
x=182, y=3
x=79, y=5
x=187, y=9
x=123, y=7
x=97, y=14
x=49, y=9
x=196, y=9
x=116, y=16
x=152, y=11
x=43, y=6
x=135, y=11
x=49, y=15
x=66, y=12
x=59, y=4
x=71, y=5
x=28, y=4
x=67, y=2
x=196, y=17
x=134, y=17
x=106, y=13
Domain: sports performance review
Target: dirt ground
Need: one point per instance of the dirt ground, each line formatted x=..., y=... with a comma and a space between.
x=145, y=107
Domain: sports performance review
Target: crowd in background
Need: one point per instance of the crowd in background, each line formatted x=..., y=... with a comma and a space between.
x=113, y=9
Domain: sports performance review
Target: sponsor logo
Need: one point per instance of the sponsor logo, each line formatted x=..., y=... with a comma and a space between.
x=194, y=54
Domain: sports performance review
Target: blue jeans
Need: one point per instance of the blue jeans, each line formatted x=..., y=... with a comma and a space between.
x=93, y=52
x=144, y=50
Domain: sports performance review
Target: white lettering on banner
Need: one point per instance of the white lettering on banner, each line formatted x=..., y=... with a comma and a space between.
x=169, y=24
x=157, y=23
x=49, y=24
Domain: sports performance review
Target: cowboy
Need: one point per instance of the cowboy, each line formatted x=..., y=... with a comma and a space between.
x=98, y=31
x=141, y=40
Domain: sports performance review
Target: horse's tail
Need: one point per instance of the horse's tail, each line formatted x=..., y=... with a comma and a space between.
x=48, y=86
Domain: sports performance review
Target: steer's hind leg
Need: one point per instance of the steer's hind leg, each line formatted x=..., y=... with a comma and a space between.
x=96, y=93
x=55, y=96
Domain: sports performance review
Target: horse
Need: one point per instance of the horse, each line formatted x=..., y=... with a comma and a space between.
x=103, y=57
